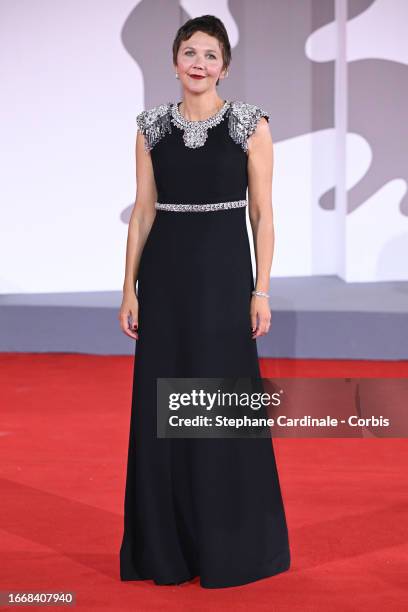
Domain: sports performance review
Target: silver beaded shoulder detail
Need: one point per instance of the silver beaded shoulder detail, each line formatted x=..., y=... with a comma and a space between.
x=242, y=121
x=154, y=123
x=243, y=118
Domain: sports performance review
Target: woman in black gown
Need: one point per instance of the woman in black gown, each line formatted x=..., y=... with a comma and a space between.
x=208, y=507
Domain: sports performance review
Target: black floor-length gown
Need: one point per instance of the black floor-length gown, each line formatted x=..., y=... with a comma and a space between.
x=208, y=507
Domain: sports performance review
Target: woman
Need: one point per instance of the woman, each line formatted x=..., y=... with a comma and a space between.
x=208, y=507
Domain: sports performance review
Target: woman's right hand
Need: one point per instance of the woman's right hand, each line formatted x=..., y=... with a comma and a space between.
x=129, y=310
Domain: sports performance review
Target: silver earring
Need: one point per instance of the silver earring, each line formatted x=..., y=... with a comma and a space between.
x=177, y=76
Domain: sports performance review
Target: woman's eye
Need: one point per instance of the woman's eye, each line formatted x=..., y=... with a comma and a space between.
x=210, y=54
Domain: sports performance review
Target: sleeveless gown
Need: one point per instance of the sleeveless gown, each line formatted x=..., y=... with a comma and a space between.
x=207, y=507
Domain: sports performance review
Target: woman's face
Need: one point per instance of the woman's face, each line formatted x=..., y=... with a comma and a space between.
x=200, y=54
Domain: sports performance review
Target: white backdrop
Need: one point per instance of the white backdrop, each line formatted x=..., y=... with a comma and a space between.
x=70, y=92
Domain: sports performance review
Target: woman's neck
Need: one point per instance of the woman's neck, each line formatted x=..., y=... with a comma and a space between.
x=199, y=108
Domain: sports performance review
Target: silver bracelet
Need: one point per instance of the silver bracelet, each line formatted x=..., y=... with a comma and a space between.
x=261, y=293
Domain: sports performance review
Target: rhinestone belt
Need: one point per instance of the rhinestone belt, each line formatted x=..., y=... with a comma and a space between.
x=200, y=207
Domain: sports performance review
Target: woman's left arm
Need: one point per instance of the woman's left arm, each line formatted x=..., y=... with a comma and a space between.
x=260, y=171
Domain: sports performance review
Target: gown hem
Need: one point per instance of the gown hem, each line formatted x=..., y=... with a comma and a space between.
x=278, y=565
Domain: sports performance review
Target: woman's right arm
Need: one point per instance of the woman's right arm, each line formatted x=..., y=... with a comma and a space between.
x=141, y=221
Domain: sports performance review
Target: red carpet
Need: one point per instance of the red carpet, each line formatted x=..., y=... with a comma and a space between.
x=64, y=434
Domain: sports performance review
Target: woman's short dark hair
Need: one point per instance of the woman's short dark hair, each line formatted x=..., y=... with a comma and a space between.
x=212, y=26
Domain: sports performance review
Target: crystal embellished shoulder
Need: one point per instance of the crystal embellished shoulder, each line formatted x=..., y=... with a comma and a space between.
x=242, y=121
x=156, y=122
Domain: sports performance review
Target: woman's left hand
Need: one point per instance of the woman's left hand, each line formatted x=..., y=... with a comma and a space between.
x=260, y=316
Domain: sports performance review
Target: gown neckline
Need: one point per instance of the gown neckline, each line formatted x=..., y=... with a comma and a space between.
x=198, y=122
